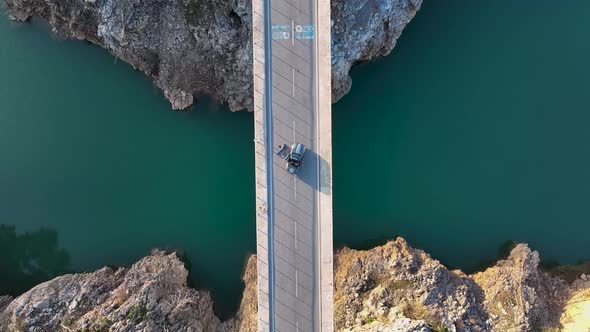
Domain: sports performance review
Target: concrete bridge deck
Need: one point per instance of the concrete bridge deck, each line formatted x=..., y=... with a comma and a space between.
x=292, y=100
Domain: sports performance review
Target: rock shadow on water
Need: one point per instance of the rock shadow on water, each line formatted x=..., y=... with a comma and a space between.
x=29, y=258
x=371, y=243
x=503, y=252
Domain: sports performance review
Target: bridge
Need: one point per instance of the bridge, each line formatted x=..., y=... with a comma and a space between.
x=292, y=104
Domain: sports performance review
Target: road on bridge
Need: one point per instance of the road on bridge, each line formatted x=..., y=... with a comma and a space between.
x=294, y=221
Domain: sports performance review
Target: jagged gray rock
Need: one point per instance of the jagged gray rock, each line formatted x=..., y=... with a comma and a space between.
x=398, y=288
x=152, y=295
x=393, y=288
x=192, y=47
x=397, y=285
x=519, y=296
x=4, y=301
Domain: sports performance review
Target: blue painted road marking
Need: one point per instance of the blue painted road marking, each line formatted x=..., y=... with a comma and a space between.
x=283, y=31
x=304, y=31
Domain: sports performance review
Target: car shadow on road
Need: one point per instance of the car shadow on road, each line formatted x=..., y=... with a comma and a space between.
x=308, y=173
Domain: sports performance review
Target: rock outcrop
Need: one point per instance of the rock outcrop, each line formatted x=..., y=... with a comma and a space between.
x=576, y=316
x=379, y=289
x=5, y=301
x=393, y=287
x=245, y=320
x=152, y=295
x=193, y=47
x=520, y=297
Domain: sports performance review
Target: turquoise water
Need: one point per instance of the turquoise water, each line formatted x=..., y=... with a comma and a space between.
x=472, y=132
x=91, y=149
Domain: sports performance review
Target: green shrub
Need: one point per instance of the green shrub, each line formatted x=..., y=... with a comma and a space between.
x=137, y=313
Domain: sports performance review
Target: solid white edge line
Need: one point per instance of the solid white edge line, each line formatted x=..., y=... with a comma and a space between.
x=293, y=80
x=295, y=233
x=296, y=285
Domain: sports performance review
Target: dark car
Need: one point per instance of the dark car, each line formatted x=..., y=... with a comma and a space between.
x=295, y=158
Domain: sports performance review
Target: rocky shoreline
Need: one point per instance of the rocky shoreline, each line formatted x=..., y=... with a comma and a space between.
x=193, y=47
x=393, y=287
x=197, y=47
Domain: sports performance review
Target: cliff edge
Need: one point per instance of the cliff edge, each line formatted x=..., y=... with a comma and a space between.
x=393, y=287
x=151, y=295
x=193, y=47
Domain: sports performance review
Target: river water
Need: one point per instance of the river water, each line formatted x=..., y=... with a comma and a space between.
x=472, y=132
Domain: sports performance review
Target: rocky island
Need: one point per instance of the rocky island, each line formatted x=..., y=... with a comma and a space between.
x=393, y=287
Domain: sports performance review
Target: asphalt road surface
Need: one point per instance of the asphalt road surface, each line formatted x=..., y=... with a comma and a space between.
x=293, y=200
